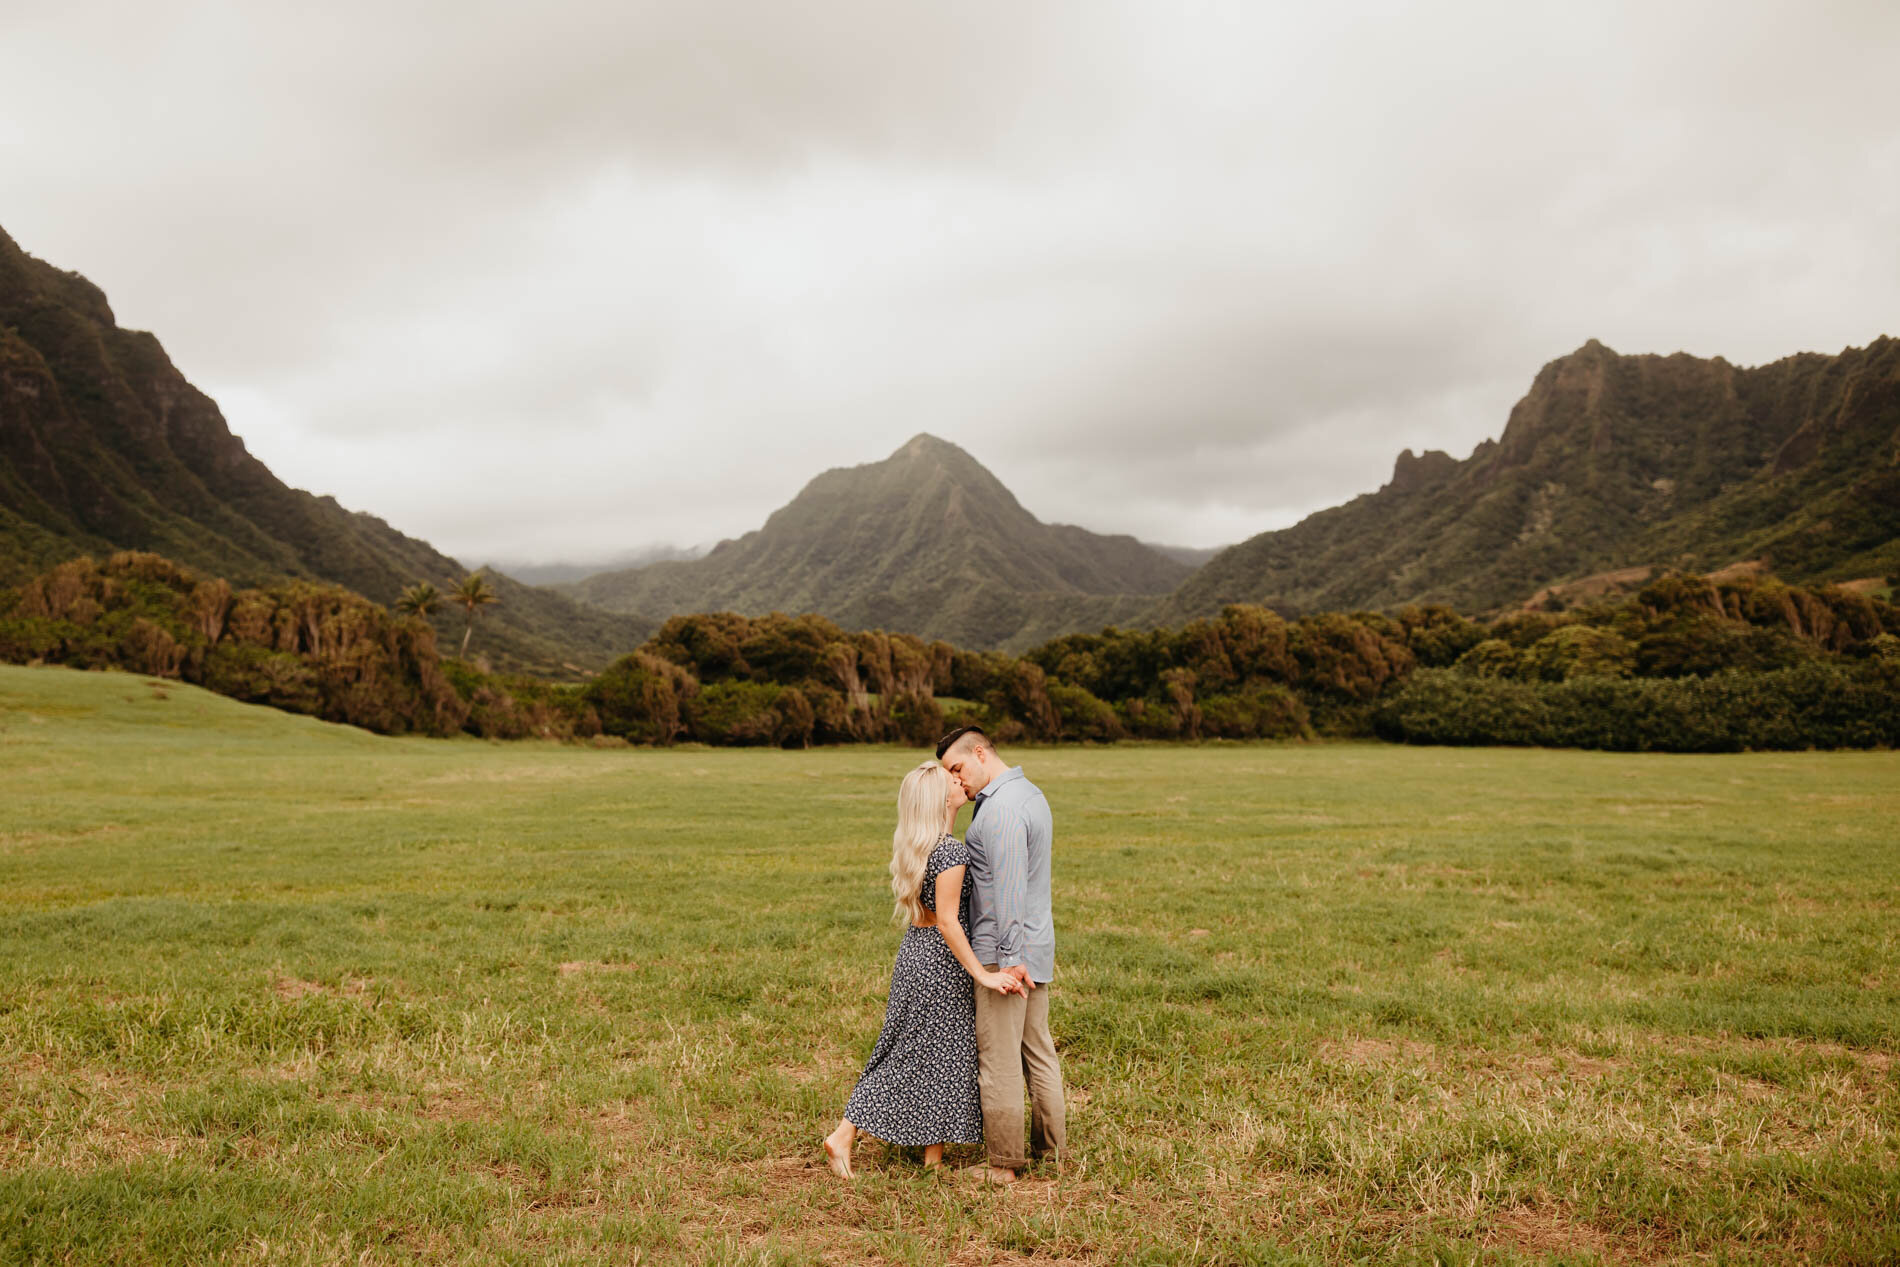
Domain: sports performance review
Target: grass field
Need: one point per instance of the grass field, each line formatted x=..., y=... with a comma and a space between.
x=272, y=990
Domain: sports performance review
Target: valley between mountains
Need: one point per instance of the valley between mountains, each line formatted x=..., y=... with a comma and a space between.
x=1609, y=462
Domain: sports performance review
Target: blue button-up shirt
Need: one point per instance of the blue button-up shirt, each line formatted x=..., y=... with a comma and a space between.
x=1010, y=840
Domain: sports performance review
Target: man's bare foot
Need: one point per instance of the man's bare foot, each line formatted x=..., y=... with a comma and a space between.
x=838, y=1156
x=991, y=1174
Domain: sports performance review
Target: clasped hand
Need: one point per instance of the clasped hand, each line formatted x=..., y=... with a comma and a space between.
x=1011, y=980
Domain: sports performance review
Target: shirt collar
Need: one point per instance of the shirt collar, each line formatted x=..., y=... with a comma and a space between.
x=1008, y=776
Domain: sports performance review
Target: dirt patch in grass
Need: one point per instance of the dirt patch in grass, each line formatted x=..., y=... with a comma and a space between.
x=289, y=988
x=1374, y=1051
x=1548, y=1231
x=117, y=1146
x=549, y=773
x=435, y=1103
x=24, y=840
x=1453, y=1075
x=1871, y=1059
x=574, y=967
x=975, y=1255
x=1649, y=1044
x=1560, y=1064
x=1570, y=1063
x=294, y=988
x=93, y=1107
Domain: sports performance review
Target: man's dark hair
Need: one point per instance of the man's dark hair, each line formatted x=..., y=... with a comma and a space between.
x=951, y=740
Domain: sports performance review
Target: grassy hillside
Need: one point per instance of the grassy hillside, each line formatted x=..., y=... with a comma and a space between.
x=282, y=991
x=1609, y=462
x=925, y=542
x=104, y=445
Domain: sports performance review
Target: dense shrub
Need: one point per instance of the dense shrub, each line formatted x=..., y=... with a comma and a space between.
x=734, y=713
x=640, y=698
x=1020, y=692
x=1578, y=651
x=1685, y=664
x=1251, y=673
x=1494, y=657
x=1817, y=705
x=750, y=713
x=522, y=708
x=1084, y=718
x=1263, y=710
x=851, y=687
x=915, y=718
x=305, y=648
x=1438, y=636
x=1146, y=719
x=260, y=675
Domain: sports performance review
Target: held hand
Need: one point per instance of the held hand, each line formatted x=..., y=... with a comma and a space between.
x=1022, y=977
x=1001, y=982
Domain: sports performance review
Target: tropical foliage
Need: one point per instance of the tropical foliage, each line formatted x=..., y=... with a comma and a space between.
x=420, y=599
x=1687, y=663
x=473, y=594
x=302, y=647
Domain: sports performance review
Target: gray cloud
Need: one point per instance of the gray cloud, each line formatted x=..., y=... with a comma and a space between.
x=574, y=281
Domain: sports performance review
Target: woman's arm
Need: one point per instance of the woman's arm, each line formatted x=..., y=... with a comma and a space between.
x=949, y=893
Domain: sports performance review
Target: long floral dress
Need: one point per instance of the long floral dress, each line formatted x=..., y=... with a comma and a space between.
x=920, y=1086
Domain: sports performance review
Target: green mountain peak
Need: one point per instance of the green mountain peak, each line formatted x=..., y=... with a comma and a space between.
x=925, y=541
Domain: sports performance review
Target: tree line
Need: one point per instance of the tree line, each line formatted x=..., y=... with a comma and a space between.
x=1687, y=663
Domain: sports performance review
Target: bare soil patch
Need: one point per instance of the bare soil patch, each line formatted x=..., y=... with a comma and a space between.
x=1547, y=1230
x=1374, y=1051
x=573, y=967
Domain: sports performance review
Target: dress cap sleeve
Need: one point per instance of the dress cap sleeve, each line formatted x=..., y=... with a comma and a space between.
x=950, y=852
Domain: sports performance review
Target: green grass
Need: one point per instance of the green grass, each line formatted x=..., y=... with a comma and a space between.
x=280, y=991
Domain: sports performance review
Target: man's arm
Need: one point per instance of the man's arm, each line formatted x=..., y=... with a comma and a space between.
x=1006, y=842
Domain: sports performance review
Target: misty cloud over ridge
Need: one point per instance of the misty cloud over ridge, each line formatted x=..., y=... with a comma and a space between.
x=569, y=284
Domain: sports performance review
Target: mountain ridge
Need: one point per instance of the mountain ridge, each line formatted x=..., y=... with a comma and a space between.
x=925, y=541
x=105, y=445
x=1607, y=462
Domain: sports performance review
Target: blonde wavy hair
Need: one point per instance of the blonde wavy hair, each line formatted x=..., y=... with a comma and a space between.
x=922, y=819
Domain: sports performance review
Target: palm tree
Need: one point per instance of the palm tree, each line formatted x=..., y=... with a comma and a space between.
x=471, y=596
x=421, y=599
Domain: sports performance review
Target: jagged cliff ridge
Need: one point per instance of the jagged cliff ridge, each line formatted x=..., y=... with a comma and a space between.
x=105, y=446
x=925, y=542
x=1609, y=461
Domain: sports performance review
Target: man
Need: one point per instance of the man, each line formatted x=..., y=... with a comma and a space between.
x=1011, y=930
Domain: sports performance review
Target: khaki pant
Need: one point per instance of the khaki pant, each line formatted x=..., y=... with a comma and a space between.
x=1013, y=1043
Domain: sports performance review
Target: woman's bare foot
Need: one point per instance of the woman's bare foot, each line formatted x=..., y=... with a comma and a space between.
x=933, y=1156
x=838, y=1149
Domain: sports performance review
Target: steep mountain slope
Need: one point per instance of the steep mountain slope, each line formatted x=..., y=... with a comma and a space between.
x=1609, y=461
x=104, y=445
x=926, y=542
x=558, y=573
x=1193, y=556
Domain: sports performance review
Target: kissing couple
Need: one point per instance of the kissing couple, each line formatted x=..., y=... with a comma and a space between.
x=968, y=1017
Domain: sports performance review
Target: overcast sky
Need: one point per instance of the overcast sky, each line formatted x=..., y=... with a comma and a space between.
x=556, y=281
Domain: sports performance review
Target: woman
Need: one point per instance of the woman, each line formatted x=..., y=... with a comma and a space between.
x=919, y=1086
